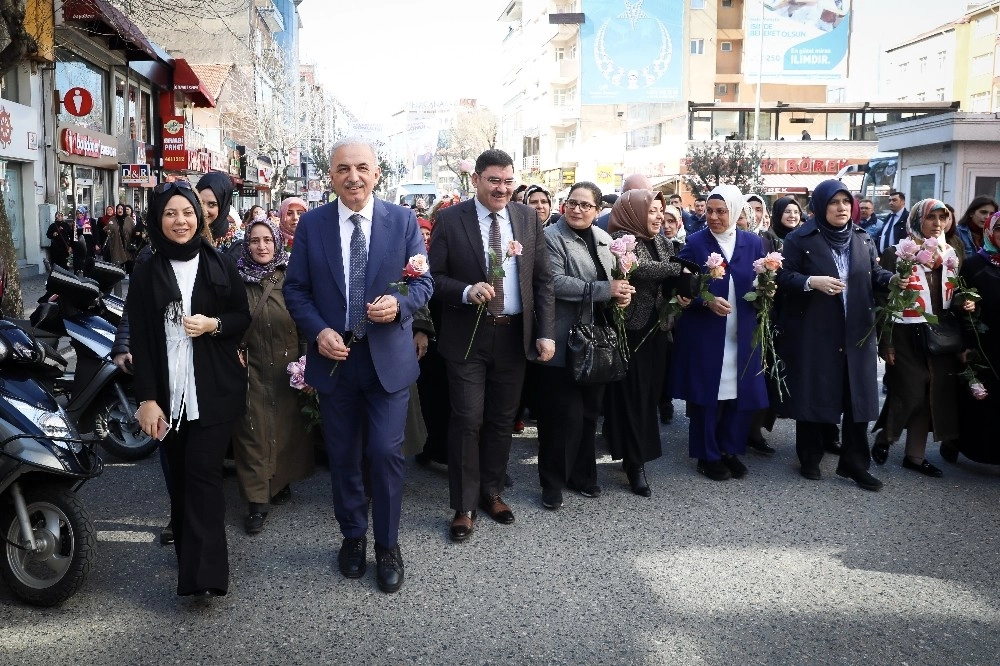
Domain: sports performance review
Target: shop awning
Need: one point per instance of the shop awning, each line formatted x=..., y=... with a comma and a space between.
x=109, y=22
x=804, y=183
x=188, y=82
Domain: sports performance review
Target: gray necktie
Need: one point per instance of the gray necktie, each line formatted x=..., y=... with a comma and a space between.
x=356, y=318
x=495, y=306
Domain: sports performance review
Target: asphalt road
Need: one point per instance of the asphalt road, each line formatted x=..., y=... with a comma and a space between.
x=770, y=569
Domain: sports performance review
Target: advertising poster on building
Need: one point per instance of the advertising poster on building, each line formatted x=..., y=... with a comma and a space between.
x=803, y=41
x=632, y=51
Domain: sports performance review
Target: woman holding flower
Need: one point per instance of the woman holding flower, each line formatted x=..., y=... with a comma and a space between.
x=716, y=367
x=922, y=387
x=270, y=443
x=827, y=281
x=567, y=414
x=979, y=401
x=631, y=423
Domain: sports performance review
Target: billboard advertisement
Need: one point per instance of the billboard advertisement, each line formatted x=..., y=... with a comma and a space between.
x=804, y=41
x=632, y=51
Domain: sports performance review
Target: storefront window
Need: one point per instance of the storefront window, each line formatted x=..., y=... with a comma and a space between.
x=72, y=72
x=119, y=111
x=11, y=192
x=83, y=186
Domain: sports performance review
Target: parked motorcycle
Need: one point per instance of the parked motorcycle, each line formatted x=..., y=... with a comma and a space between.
x=49, y=542
x=98, y=395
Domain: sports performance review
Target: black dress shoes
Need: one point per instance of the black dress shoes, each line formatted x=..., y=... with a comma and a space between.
x=282, y=496
x=254, y=522
x=586, y=491
x=880, y=449
x=167, y=534
x=735, y=466
x=388, y=568
x=207, y=593
x=496, y=509
x=760, y=446
x=351, y=558
x=637, y=480
x=923, y=467
x=715, y=470
x=833, y=448
x=462, y=525
x=862, y=478
x=811, y=472
x=552, y=498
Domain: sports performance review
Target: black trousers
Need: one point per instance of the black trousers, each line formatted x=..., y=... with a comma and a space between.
x=567, y=428
x=485, y=390
x=198, y=505
x=855, y=452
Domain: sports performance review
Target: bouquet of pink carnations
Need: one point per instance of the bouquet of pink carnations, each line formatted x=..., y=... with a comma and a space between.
x=623, y=250
x=308, y=396
x=904, y=290
x=765, y=286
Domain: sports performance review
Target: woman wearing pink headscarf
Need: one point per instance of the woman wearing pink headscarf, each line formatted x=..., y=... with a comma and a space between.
x=288, y=215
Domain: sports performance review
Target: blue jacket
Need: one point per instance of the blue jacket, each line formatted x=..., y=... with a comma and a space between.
x=964, y=233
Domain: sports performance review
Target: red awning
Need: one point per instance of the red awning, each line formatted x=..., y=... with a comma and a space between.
x=122, y=34
x=187, y=82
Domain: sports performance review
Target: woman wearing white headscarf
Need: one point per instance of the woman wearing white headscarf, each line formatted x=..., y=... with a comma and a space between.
x=715, y=367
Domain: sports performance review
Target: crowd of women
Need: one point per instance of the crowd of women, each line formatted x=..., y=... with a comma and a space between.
x=211, y=341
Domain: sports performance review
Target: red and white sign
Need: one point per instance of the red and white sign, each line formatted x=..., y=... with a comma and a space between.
x=175, y=154
x=78, y=102
x=85, y=145
x=805, y=165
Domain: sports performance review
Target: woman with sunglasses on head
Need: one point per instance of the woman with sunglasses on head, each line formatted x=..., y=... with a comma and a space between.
x=187, y=312
x=631, y=422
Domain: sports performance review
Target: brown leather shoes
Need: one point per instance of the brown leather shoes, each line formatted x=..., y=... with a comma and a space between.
x=462, y=525
x=497, y=510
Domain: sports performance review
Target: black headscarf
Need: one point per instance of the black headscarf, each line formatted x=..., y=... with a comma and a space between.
x=222, y=187
x=165, y=287
x=779, y=229
x=838, y=238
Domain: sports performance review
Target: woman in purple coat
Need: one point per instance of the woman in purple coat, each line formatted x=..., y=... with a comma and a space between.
x=715, y=367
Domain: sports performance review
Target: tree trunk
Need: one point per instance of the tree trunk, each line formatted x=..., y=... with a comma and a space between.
x=13, y=304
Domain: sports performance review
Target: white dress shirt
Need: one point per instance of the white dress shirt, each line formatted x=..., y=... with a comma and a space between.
x=511, y=284
x=346, y=231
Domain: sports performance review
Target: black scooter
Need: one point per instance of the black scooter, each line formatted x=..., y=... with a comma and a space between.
x=98, y=394
x=48, y=541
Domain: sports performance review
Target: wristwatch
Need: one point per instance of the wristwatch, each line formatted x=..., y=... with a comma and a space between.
x=218, y=327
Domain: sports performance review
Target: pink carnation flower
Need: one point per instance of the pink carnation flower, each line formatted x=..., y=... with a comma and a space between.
x=715, y=260
x=931, y=244
x=773, y=261
x=627, y=262
x=618, y=247
x=758, y=266
x=924, y=256
x=907, y=249
x=514, y=249
x=951, y=263
x=978, y=391
x=416, y=266
x=297, y=381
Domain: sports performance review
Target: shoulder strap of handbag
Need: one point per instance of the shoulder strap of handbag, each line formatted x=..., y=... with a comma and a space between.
x=271, y=281
x=586, y=302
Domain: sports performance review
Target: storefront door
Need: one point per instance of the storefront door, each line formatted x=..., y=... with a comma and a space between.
x=12, y=199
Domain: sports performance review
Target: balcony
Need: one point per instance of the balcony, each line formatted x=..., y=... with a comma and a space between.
x=270, y=15
x=565, y=71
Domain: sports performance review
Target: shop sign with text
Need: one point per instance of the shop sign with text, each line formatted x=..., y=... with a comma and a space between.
x=82, y=146
x=175, y=154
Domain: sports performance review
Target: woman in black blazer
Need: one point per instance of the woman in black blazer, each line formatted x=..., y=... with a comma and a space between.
x=187, y=312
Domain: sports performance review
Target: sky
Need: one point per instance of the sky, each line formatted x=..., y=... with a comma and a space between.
x=374, y=55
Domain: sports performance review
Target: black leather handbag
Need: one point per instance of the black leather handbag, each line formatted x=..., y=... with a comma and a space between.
x=944, y=337
x=592, y=349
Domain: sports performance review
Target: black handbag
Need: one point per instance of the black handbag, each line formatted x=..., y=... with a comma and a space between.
x=944, y=337
x=592, y=349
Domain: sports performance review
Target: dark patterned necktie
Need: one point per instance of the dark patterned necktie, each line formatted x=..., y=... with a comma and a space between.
x=356, y=286
x=495, y=306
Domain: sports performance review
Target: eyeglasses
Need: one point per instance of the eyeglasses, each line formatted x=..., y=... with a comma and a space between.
x=582, y=205
x=165, y=187
x=494, y=181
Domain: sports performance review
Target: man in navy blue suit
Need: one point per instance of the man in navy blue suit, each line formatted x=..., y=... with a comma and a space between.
x=360, y=357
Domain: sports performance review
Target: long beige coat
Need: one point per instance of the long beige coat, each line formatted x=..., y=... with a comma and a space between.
x=270, y=443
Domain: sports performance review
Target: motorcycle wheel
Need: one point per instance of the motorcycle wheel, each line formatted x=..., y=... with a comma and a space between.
x=68, y=542
x=119, y=432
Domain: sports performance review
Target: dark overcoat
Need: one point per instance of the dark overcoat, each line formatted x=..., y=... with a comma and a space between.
x=700, y=334
x=817, y=337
